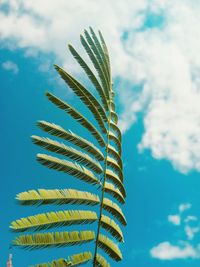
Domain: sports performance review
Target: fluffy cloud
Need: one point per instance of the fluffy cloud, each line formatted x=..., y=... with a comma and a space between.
x=174, y=219
x=155, y=51
x=167, y=251
x=10, y=66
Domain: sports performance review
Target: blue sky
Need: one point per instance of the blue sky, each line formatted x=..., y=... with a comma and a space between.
x=155, y=75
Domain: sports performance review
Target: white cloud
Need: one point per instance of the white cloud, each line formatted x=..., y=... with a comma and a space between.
x=167, y=251
x=184, y=206
x=190, y=218
x=191, y=231
x=183, y=249
x=174, y=219
x=10, y=66
x=163, y=60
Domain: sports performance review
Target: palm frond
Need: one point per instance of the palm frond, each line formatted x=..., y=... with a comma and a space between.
x=114, y=209
x=99, y=57
x=115, y=192
x=78, y=117
x=101, y=261
x=105, y=48
x=115, y=128
x=57, y=239
x=86, y=97
x=112, y=151
x=77, y=140
x=54, y=219
x=110, y=175
x=74, y=260
x=112, y=227
x=90, y=75
x=55, y=196
x=68, y=167
x=114, y=117
x=112, y=105
x=55, y=263
x=115, y=139
x=109, y=247
x=113, y=163
x=81, y=159
x=67, y=151
x=102, y=53
x=97, y=66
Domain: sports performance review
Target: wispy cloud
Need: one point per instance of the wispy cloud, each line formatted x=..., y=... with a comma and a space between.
x=154, y=48
x=177, y=218
x=191, y=231
x=184, y=206
x=10, y=66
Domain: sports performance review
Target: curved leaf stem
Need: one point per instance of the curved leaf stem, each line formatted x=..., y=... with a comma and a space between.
x=103, y=186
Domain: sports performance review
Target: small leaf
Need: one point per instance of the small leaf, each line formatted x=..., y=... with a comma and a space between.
x=101, y=261
x=77, y=140
x=110, y=175
x=109, y=247
x=67, y=151
x=114, y=209
x=112, y=227
x=56, y=196
x=77, y=116
x=68, y=167
x=115, y=192
x=57, y=239
x=90, y=75
x=54, y=219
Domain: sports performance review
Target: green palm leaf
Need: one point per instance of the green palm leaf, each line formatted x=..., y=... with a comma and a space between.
x=111, y=226
x=59, y=197
x=67, y=151
x=75, y=260
x=115, y=192
x=110, y=175
x=90, y=75
x=101, y=51
x=68, y=167
x=114, y=209
x=109, y=247
x=101, y=261
x=78, y=117
x=86, y=97
x=105, y=49
x=114, y=127
x=97, y=66
x=114, y=117
x=115, y=139
x=53, y=219
x=97, y=53
x=112, y=151
x=57, y=239
x=77, y=140
x=97, y=162
x=113, y=163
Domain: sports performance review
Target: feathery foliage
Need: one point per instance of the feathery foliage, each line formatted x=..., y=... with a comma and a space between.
x=94, y=159
x=55, y=196
x=74, y=260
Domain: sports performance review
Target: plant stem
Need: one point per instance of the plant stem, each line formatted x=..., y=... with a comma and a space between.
x=102, y=195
